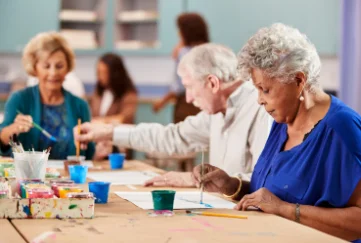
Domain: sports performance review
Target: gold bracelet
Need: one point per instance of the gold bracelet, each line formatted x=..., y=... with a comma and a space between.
x=238, y=190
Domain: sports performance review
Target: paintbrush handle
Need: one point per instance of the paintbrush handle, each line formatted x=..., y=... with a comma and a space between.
x=48, y=135
x=223, y=215
x=202, y=175
x=78, y=143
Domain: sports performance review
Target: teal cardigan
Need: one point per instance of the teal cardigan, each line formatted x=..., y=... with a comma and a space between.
x=28, y=102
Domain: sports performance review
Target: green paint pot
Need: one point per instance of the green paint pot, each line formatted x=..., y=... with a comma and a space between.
x=163, y=199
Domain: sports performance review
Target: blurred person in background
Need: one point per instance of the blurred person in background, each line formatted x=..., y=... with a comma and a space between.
x=114, y=100
x=192, y=31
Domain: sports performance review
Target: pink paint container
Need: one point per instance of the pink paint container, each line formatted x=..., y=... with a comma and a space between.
x=40, y=193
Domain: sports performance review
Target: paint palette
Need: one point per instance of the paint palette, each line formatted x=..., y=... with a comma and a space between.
x=40, y=203
x=47, y=208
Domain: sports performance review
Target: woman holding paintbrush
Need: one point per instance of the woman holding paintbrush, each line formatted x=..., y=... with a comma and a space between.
x=310, y=168
x=44, y=115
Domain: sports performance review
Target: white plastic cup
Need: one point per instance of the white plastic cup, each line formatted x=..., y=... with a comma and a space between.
x=30, y=165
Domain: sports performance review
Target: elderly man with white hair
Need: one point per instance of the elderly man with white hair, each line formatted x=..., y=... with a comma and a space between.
x=232, y=124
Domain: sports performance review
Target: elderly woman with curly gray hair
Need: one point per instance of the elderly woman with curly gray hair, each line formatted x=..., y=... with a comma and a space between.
x=310, y=168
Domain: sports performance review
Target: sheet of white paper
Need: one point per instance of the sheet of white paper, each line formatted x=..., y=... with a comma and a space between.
x=182, y=200
x=59, y=164
x=123, y=177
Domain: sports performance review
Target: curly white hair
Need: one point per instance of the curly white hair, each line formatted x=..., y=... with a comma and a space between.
x=280, y=51
x=208, y=59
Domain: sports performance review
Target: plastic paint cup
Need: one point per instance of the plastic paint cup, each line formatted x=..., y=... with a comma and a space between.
x=116, y=161
x=100, y=189
x=30, y=165
x=78, y=173
x=163, y=199
x=64, y=191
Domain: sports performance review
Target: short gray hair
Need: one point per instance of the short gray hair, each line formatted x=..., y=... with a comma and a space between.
x=207, y=59
x=281, y=51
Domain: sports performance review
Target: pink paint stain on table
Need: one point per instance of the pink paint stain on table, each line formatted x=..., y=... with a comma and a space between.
x=206, y=224
x=185, y=230
x=44, y=236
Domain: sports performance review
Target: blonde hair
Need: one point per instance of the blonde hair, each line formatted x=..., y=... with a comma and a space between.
x=47, y=42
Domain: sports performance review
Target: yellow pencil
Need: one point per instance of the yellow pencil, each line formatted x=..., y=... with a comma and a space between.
x=218, y=214
x=78, y=143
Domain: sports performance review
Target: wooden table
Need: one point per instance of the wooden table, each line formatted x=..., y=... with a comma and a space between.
x=121, y=221
x=8, y=233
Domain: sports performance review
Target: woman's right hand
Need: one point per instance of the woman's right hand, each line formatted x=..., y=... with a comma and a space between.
x=214, y=179
x=22, y=124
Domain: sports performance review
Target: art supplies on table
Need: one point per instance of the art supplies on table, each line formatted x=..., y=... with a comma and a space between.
x=182, y=200
x=123, y=177
x=40, y=193
x=78, y=143
x=116, y=160
x=9, y=172
x=5, y=189
x=52, y=173
x=4, y=166
x=78, y=173
x=163, y=200
x=38, y=200
x=4, y=194
x=30, y=165
x=212, y=214
x=100, y=190
x=60, y=164
x=64, y=190
x=80, y=195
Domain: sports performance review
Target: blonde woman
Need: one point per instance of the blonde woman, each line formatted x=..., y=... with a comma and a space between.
x=49, y=58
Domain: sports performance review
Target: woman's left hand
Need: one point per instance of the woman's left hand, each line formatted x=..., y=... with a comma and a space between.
x=262, y=199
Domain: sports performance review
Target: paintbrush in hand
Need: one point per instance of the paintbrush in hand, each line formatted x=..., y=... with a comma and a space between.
x=202, y=174
x=42, y=130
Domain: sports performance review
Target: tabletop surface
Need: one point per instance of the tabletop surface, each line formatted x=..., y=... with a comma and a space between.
x=121, y=221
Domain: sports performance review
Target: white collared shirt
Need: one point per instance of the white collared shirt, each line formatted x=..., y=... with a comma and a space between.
x=106, y=102
x=234, y=140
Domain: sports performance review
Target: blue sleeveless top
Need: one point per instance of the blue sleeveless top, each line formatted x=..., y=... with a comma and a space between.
x=323, y=170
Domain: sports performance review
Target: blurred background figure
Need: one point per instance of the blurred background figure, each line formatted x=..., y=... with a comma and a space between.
x=114, y=100
x=115, y=96
x=192, y=31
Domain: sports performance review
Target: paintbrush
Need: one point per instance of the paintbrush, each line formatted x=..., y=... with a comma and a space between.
x=202, y=174
x=17, y=143
x=42, y=130
x=78, y=143
x=14, y=147
x=223, y=215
